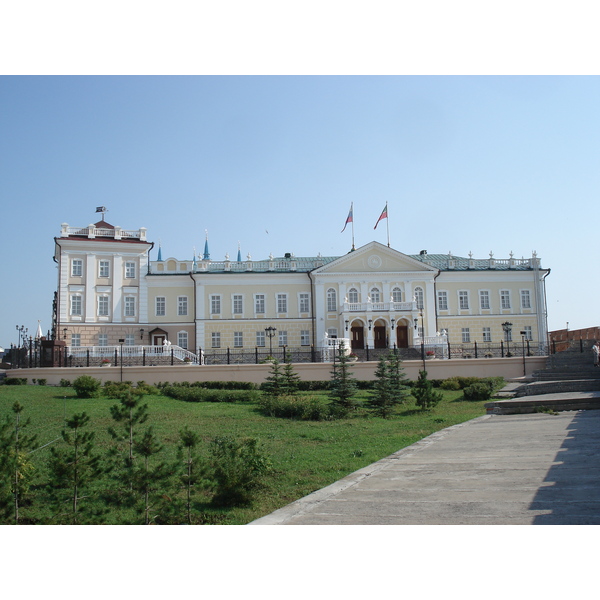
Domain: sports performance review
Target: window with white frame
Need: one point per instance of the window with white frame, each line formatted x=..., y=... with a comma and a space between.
x=375, y=295
x=466, y=335
x=103, y=306
x=353, y=296
x=487, y=334
x=442, y=300
x=331, y=300
x=76, y=267
x=463, y=300
x=260, y=339
x=182, y=339
x=305, y=337
x=484, y=299
x=238, y=304
x=182, y=306
x=130, y=339
x=304, y=302
x=396, y=295
x=76, y=340
x=259, y=304
x=419, y=297
x=332, y=332
x=215, y=339
x=76, y=305
x=129, y=306
x=528, y=332
x=238, y=339
x=104, y=268
x=102, y=339
x=525, y=299
x=505, y=299
x=215, y=304
x=283, y=338
x=160, y=306
x=130, y=270
x=281, y=303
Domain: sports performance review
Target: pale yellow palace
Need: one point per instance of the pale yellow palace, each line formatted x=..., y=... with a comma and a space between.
x=110, y=289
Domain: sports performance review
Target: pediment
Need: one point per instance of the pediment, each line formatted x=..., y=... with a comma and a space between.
x=373, y=258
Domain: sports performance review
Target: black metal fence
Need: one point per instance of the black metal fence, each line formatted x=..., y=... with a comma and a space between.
x=31, y=357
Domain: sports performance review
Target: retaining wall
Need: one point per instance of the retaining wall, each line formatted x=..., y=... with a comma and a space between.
x=509, y=368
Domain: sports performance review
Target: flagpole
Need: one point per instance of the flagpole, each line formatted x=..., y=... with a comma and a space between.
x=352, y=209
x=387, y=223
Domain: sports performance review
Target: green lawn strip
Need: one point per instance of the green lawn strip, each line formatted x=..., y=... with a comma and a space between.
x=306, y=455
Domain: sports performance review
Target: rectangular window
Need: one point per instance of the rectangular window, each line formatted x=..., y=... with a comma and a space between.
x=487, y=334
x=528, y=332
x=283, y=338
x=466, y=335
x=215, y=338
x=76, y=340
x=129, y=306
x=238, y=339
x=76, y=267
x=182, y=306
x=102, y=339
x=161, y=306
x=331, y=300
x=505, y=299
x=305, y=337
x=281, y=303
x=332, y=332
x=130, y=270
x=103, y=306
x=484, y=300
x=215, y=305
x=182, y=339
x=104, y=268
x=304, y=303
x=76, y=305
x=259, y=303
x=130, y=339
x=442, y=300
x=525, y=299
x=238, y=304
x=260, y=339
x=463, y=300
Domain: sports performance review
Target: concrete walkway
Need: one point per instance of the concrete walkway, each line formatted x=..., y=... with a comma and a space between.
x=498, y=469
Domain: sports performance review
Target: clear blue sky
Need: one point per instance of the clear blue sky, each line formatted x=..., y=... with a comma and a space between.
x=465, y=163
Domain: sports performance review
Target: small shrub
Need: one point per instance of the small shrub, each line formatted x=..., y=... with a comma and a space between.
x=65, y=383
x=236, y=470
x=42, y=381
x=303, y=408
x=450, y=384
x=15, y=381
x=198, y=394
x=87, y=387
x=478, y=392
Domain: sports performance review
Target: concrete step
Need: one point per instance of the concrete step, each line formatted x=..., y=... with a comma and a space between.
x=551, y=387
x=546, y=402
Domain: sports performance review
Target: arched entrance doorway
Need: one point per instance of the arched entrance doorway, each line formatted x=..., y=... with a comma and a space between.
x=357, y=341
x=380, y=335
x=402, y=335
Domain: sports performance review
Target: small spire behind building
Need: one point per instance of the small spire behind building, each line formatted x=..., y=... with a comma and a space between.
x=206, y=255
x=239, y=256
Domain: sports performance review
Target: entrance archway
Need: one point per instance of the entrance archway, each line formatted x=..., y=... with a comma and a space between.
x=357, y=342
x=380, y=335
x=402, y=336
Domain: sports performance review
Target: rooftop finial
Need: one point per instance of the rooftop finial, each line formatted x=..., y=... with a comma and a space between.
x=239, y=256
x=206, y=255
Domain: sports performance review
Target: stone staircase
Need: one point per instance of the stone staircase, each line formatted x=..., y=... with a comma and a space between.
x=570, y=381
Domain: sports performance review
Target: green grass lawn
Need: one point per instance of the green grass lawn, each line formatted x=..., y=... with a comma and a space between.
x=306, y=456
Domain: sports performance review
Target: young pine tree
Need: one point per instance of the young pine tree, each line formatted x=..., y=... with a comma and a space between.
x=424, y=393
x=291, y=379
x=342, y=388
x=274, y=384
x=15, y=467
x=72, y=471
x=190, y=466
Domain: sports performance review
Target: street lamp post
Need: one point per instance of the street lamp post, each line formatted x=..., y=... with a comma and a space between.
x=270, y=331
x=121, y=340
x=523, y=334
x=507, y=327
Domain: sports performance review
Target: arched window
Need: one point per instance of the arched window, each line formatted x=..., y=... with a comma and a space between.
x=396, y=295
x=331, y=300
x=353, y=295
x=375, y=295
x=419, y=297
